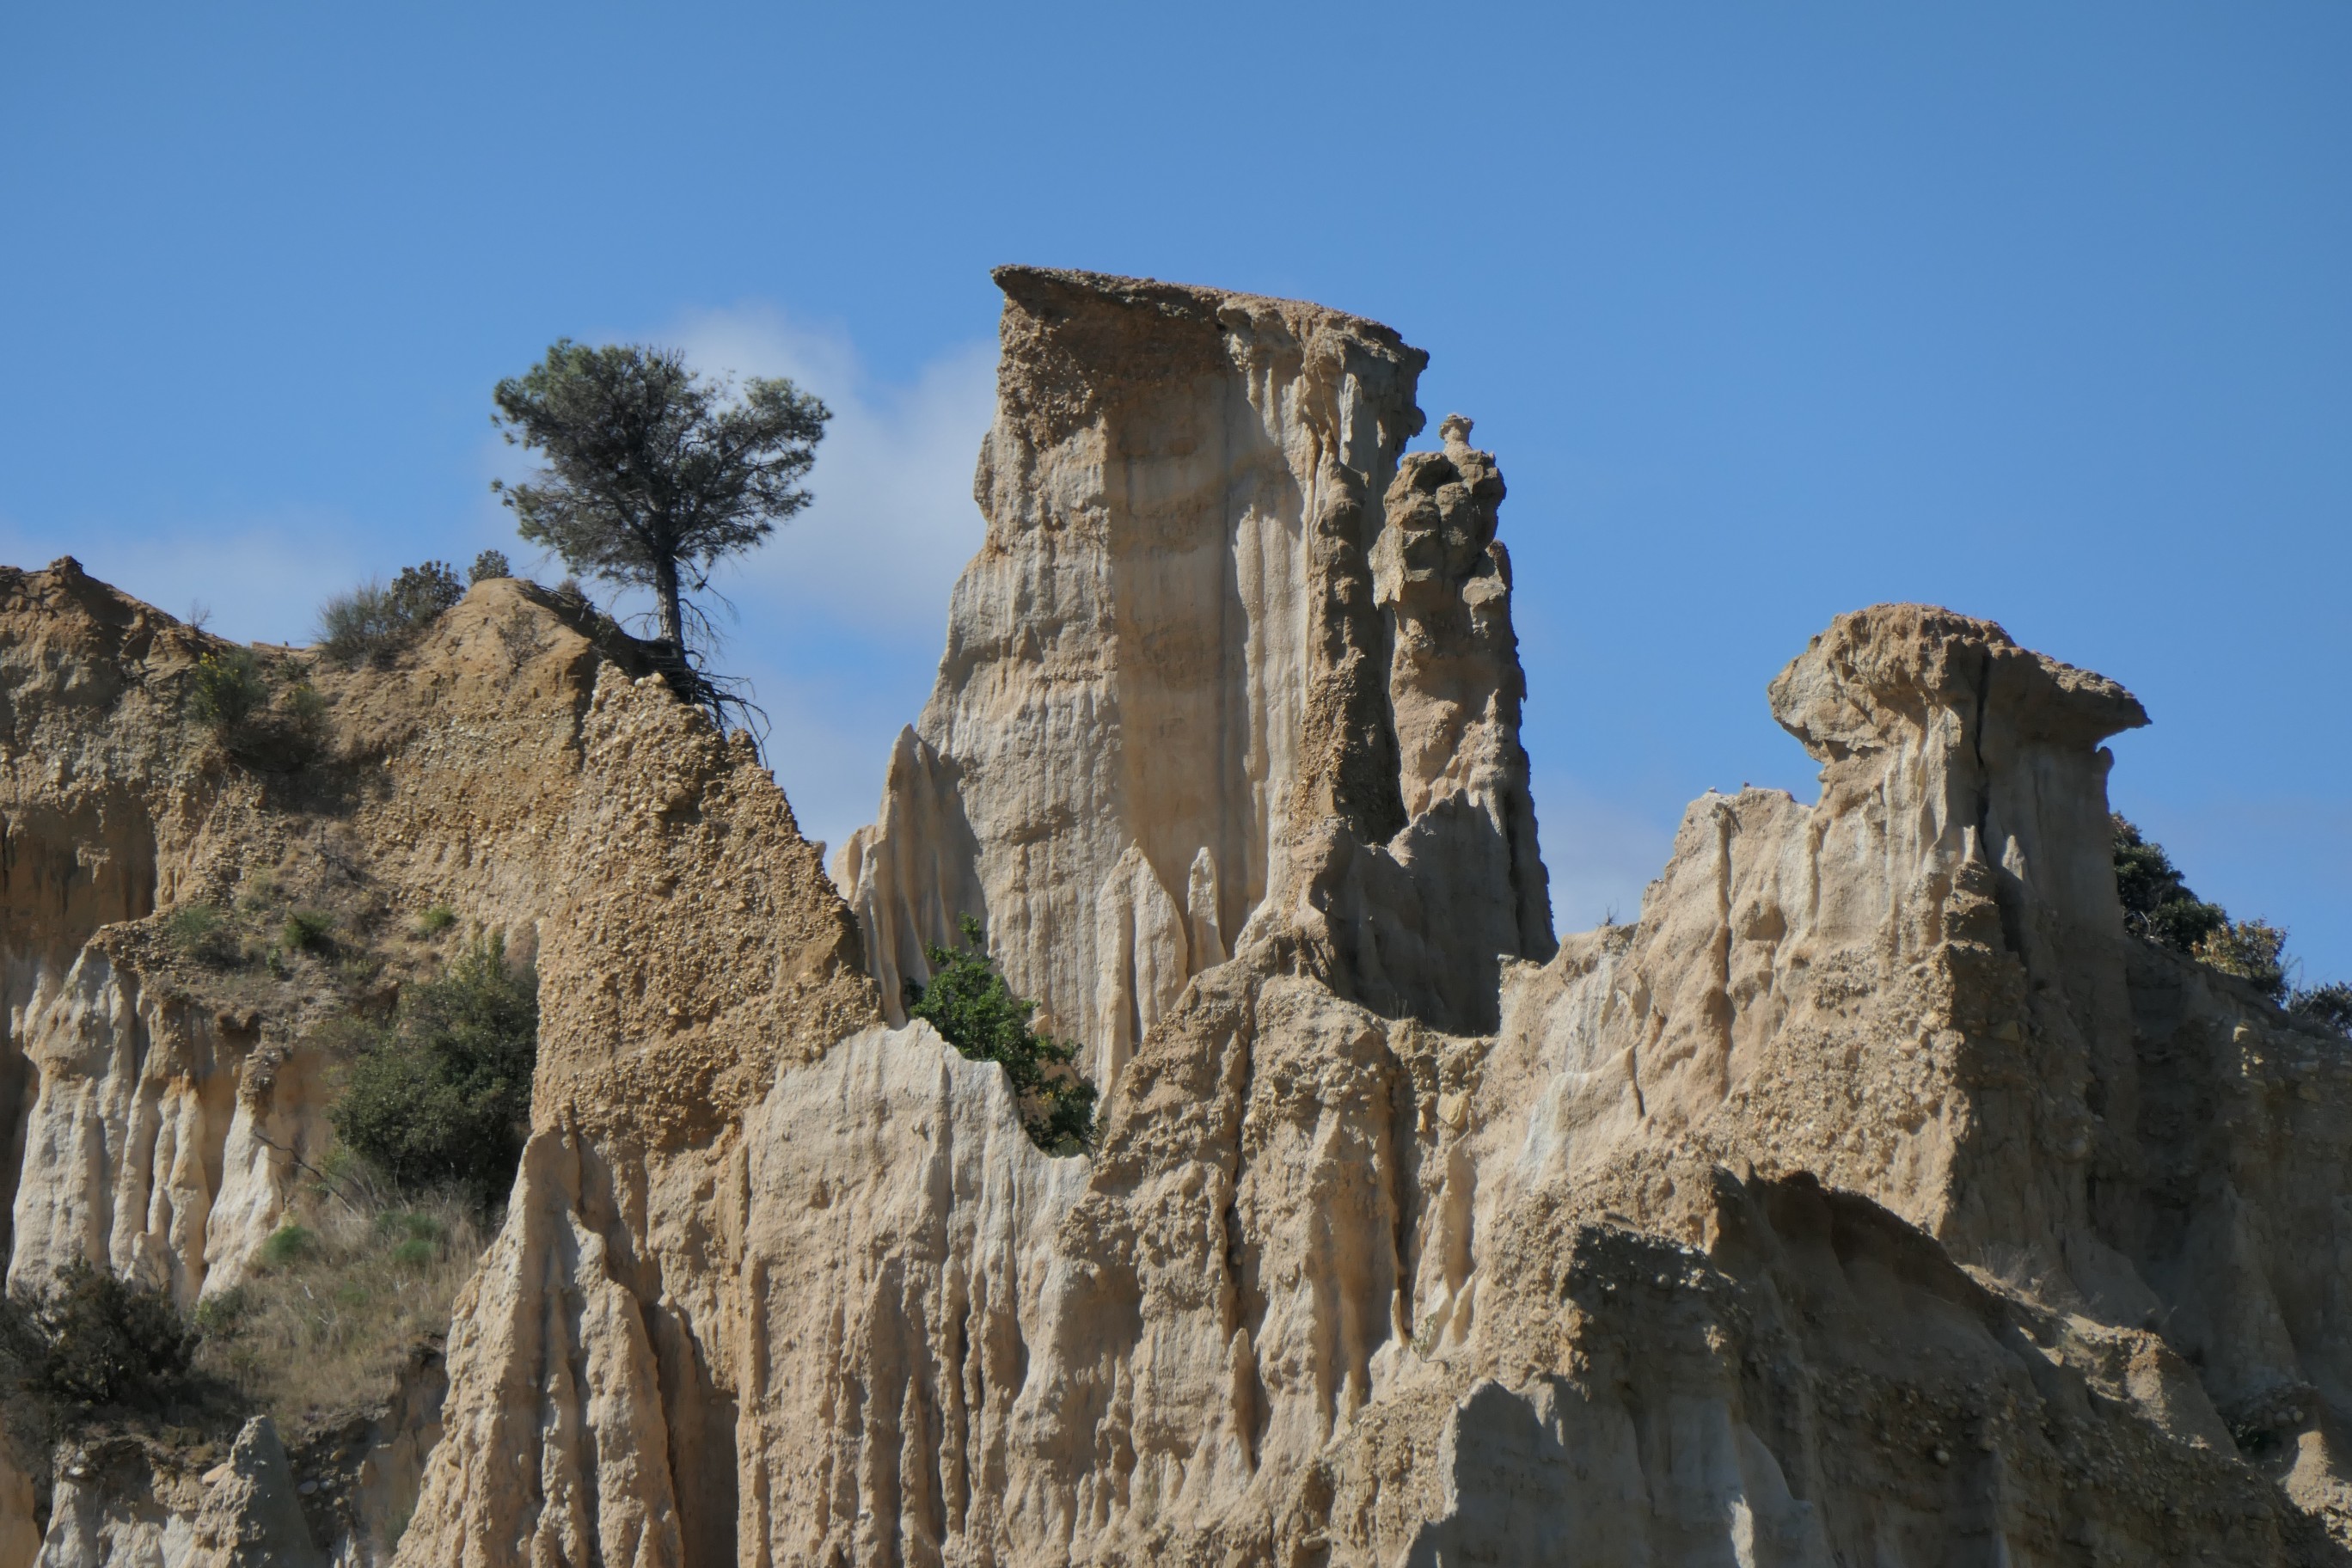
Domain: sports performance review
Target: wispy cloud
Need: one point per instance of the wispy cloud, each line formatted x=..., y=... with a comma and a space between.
x=893, y=520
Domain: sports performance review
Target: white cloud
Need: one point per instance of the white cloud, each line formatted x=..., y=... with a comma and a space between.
x=893, y=521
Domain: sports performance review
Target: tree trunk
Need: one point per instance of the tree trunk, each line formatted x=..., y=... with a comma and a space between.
x=673, y=630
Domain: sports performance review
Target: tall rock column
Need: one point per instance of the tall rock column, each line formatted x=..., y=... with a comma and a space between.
x=1416, y=920
x=1179, y=486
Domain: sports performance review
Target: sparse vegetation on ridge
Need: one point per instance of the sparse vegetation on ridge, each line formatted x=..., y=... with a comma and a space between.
x=2159, y=906
x=968, y=1001
x=262, y=715
x=653, y=476
x=374, y=623
x=227, y=689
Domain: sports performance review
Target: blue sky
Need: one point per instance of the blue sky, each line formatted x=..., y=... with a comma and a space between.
x=1769, y=312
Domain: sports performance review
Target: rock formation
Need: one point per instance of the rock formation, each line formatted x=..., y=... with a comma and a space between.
x=1872, y=1198
x=159, y=1113
x=1210, y=609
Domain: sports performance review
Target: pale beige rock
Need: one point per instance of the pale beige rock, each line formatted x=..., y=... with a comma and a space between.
x=1872, y=1198
x=20, y=1526
x=1169, y=679
x=1655, y=1271
x=156, y=1114
x=155, y=1126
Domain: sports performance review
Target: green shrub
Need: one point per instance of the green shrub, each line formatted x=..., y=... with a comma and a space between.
x=420, y=593
x=2157, y=902
x=404, y=1225
x=304, y=706
x=2158, y=905
x=203, y=933
x=91, y=1342
x=443, y=1098
x=490, y=565
x=436, y=918
x=307, y=930
x=288, y=1244
x=372, y=623
x=361, y=626
x=226, y=689
x=2329, y=1006
x=218, y=1314
x=968, y=1001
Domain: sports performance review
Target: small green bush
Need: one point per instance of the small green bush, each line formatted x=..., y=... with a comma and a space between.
x=219, y=1314
x=443, y=1098
x=420, y=593
x=2158, y=905
x=489, y=566
x=290, y=1243
x=203, y=933
x=226, y=689
x=305, y=706
x=307, y=930
x=2250, y=950
x=89, y=1343
x=968, y=1001
x=436, y=918
x=372, y=623
x=361, y=626
x=405, y=1226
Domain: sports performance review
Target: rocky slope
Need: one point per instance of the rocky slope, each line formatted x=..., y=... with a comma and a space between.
x=1858, y=1204
x=162, y=1106
x=1872, y=1198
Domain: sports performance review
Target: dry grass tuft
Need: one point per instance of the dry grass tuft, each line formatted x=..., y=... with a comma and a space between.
x=336, y=1302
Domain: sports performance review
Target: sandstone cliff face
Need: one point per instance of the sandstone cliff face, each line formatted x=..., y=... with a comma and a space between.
x=1871, y=1199
x=1176, y=677
x=158, y=1113
x=155, y=1109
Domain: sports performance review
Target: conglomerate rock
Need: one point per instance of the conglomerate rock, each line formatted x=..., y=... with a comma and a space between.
x=1872, y=1198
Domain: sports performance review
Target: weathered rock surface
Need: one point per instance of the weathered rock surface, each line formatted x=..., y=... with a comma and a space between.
x=1851, y=1207
x=1872, y=1198
x=158, y=1113
x=1210, y=608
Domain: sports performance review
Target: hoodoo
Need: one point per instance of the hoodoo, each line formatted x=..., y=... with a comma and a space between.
x=1873, y=1197
x=1225, y=671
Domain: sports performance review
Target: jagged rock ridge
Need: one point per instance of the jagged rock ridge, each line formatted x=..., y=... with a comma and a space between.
x=159, y=1113
x=1872, y=1198
x=1795, y=1224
